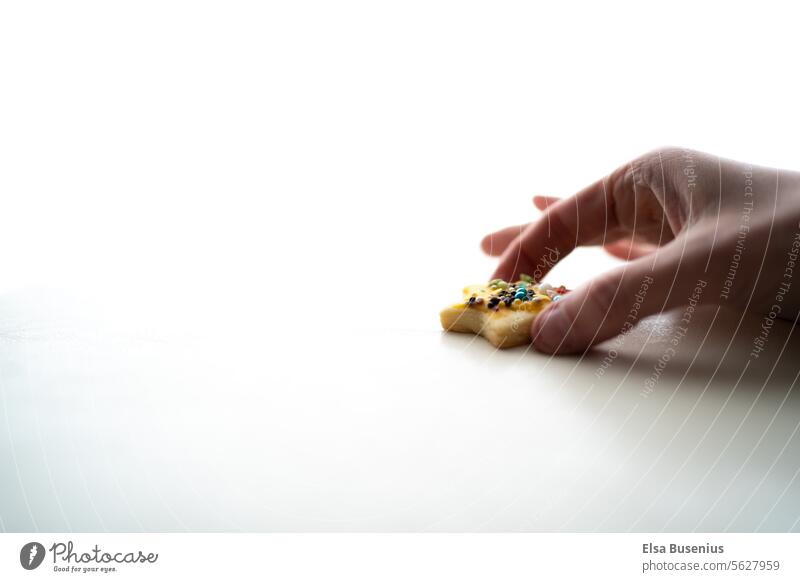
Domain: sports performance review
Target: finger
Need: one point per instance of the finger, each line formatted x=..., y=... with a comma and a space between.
x=628, y=251
x=612, y=303
x=589, y=217
x=542, y=202
x=495, y=243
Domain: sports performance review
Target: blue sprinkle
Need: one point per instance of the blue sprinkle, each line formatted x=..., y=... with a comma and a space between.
x=556, y=297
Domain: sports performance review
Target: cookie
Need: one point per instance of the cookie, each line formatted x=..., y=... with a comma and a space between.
x=500, y=311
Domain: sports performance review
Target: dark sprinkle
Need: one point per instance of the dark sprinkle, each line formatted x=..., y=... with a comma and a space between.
x=493, y=302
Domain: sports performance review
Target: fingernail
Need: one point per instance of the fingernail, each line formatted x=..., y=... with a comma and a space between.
x=551, y=328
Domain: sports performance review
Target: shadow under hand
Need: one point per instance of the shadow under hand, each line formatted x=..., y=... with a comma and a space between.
x=714, y=344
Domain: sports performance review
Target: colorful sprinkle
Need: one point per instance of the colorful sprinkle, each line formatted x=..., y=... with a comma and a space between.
x=520, y=296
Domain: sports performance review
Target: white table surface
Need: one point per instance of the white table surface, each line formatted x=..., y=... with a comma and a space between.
x=182, y=346
x=118, y=425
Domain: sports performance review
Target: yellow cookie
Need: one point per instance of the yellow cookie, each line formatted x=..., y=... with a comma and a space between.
x=499, y=311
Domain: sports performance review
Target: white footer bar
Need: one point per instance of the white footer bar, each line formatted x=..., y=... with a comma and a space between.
x=406, y=557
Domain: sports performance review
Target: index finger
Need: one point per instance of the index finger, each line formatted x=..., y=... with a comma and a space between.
x=588, y=217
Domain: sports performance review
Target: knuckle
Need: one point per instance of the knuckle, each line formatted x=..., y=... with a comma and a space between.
x=660, y=162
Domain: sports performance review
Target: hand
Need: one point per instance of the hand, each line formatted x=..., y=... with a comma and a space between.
x=694, y=228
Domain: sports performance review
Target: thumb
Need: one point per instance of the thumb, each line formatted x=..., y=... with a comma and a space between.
x=614, y=302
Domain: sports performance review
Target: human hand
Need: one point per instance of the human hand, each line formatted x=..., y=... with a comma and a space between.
x=694, y=228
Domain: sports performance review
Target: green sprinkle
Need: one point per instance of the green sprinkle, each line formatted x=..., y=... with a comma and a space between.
x=526, y=278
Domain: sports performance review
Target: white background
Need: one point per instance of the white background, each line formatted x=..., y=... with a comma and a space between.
x=227, y=229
